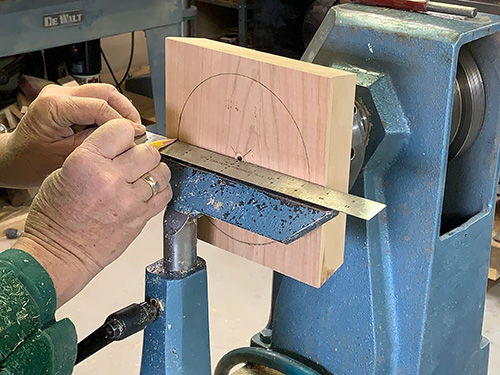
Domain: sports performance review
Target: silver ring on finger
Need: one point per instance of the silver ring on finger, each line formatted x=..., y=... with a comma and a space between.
x=152, y=182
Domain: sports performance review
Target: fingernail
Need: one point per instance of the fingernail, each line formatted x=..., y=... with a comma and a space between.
x=140, y=127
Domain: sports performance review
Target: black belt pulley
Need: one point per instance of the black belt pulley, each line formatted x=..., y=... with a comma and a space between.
x=468, y=106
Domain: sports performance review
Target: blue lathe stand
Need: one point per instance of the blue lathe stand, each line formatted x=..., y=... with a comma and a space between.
x=409, y=298
x=178, y=341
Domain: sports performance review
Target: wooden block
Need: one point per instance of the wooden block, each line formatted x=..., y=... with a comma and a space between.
x=15, y=111
x=11, y=120
x=494, y=270
x=23, y=102
x=283, y=114
x=68, y=81
x=493, y=274
x=31, y=86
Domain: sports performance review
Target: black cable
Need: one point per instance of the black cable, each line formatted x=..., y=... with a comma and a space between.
x=110, y=70
x=118, y=85
x=132, y=46
x=92, y=344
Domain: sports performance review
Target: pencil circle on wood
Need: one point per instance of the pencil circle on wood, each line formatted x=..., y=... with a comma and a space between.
x=257, y=128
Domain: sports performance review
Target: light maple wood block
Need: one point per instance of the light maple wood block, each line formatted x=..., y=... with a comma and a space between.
x=23, y=102
x=15, y=111
x=493, y=274
x=11, y=120
x=287, y=115
x=494, y=270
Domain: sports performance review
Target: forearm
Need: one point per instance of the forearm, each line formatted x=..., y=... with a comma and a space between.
x=66, y=271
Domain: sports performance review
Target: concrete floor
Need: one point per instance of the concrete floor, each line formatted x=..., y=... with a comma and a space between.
x=239, y=293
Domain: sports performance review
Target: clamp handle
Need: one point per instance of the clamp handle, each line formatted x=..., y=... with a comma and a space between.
x=118, y=326
x=423, y=6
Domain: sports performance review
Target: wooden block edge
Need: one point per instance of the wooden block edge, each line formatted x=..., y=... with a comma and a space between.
x=264, y=57
x=493, y=274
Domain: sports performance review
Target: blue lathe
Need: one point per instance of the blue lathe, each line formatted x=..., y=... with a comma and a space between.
x=409, y=298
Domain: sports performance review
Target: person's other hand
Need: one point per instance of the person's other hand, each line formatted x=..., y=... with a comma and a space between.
x=90, y=210
x=57, y=122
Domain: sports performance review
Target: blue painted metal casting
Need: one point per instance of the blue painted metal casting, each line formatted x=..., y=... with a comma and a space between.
x=409, y=298
x=201, y=192
x=178, y=341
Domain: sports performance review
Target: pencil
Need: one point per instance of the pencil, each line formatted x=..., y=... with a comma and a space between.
x=161, y=143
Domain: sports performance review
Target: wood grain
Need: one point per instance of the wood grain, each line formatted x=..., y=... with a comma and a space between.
x=283, y=114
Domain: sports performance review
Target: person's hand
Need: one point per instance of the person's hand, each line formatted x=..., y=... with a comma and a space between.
x=56, y=123
x=90, y=210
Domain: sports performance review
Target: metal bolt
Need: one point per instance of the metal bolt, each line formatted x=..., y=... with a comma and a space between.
x=156, y=307
x=266, y=335
x=113, y=329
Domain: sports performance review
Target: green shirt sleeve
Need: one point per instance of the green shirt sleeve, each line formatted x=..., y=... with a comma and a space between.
x=31, y=342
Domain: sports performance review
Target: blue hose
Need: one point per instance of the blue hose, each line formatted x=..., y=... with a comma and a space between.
x=265, y=357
